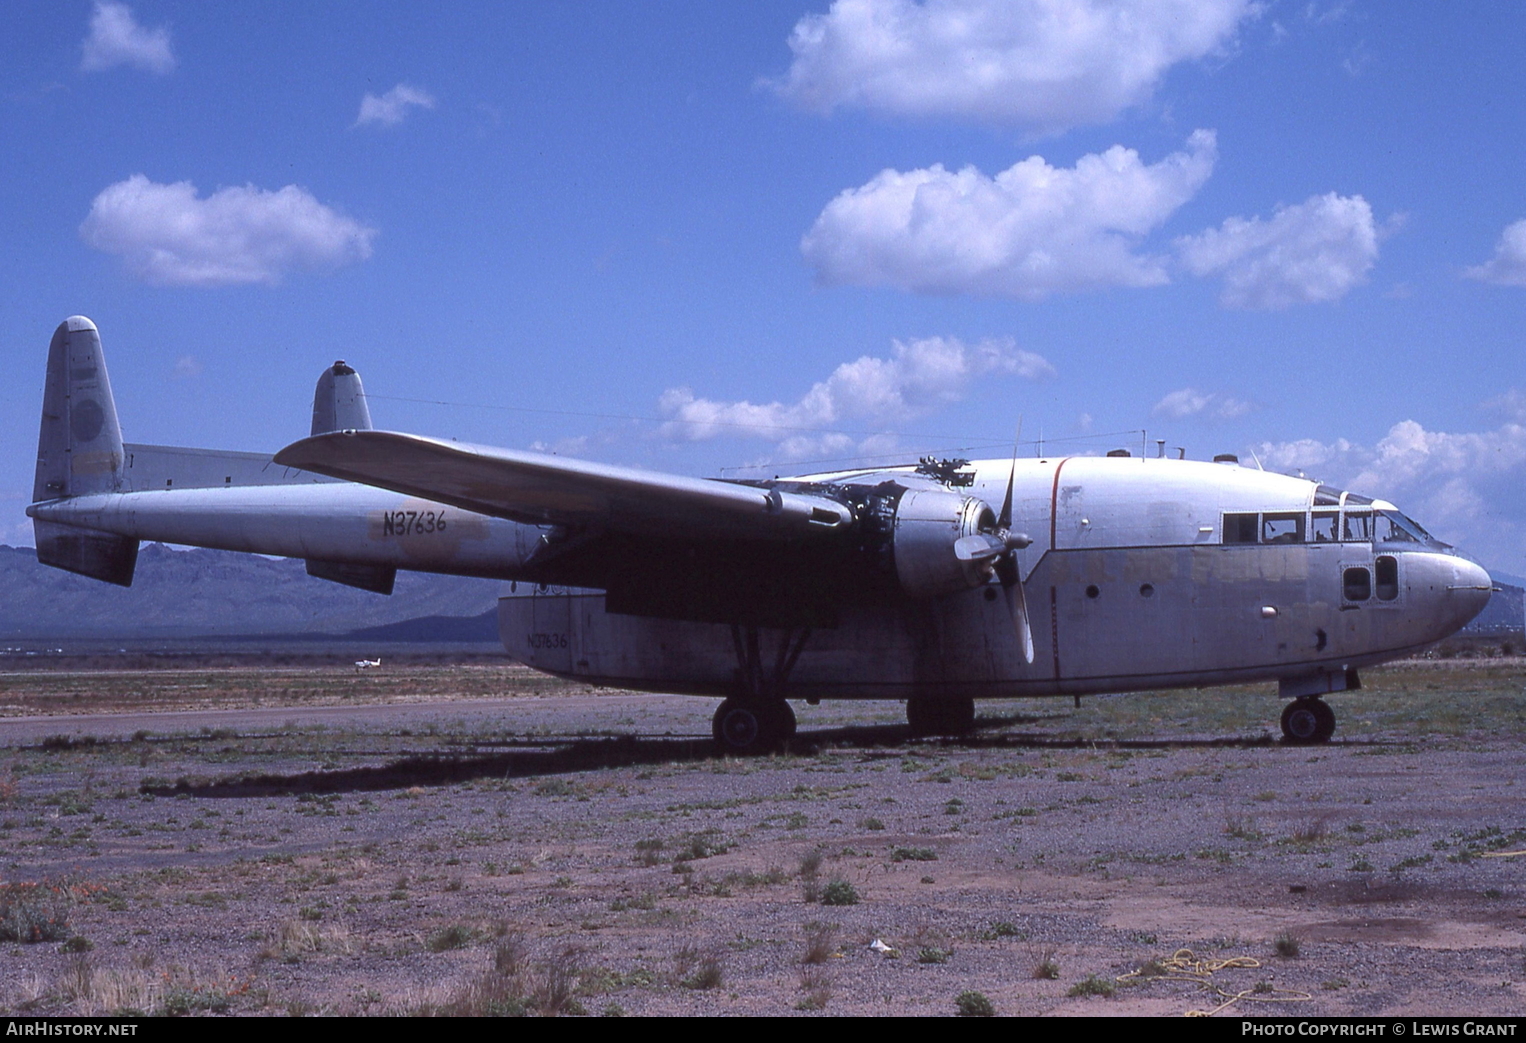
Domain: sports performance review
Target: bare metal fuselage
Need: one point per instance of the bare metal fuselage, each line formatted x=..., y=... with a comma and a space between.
x=1129, y=583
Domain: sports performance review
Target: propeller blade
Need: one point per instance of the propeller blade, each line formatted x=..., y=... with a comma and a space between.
x=1017, y=605
x=981, y=546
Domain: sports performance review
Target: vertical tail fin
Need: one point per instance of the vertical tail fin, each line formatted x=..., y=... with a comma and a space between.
x=79, y=452
x=79, y=449
x=339, y=403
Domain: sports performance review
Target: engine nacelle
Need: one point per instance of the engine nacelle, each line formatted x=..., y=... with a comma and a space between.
x=927, y=525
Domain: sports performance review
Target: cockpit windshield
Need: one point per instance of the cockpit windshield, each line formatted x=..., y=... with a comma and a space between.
x=1334, y=517
x=1394, y=527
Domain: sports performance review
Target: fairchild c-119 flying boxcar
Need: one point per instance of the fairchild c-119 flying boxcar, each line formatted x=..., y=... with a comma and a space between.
x=938, y=583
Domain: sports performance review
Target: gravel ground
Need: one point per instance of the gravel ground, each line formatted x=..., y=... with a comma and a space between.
x=541, y=848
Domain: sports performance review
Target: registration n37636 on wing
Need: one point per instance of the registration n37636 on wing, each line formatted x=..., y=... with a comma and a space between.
x=936, y=583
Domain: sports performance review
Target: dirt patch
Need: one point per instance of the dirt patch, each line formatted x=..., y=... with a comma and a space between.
x=546, y=849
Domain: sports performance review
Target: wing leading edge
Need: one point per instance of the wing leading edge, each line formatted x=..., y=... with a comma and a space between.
x=539, y=489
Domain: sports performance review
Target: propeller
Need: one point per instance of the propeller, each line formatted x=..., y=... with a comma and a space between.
x=1000, y=548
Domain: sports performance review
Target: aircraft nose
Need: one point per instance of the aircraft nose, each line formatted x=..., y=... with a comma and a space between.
x=1469, y=590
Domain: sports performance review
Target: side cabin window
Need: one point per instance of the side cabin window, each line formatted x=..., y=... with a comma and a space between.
x=1356, y=584
x=1282, y=527
x=1241, y=528
x=1387, y=570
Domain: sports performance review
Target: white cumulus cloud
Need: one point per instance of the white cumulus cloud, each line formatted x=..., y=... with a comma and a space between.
x=390, y=108
x=1466, y=487
x=1031, y=231
x=1042, y=65
x=169, y=236
x=919, y=377
x=1315, y=251
x=116, y=38
x=1190, y=401
x=1508, y=265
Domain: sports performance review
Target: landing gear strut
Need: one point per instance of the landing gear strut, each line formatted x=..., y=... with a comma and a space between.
x=757, y=719
x=1307, y=721
x=928, y=716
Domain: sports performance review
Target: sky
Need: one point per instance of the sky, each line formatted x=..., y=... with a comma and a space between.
x=751, y=239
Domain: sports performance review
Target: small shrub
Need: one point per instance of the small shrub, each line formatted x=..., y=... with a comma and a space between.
x=78, y=943
x=817, y=988
x=974, y=1005
x=820, y=942
x=451, y=937
x=699, y=971
x=913, y=854
x=873, y=824
x=1287, y=945
x=932, y=955
x=1047, y=969
x=839, y=892
x=34, y=912
x=810, y=874
x=1092, y=985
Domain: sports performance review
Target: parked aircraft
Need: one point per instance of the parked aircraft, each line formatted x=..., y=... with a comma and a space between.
x=936, y=583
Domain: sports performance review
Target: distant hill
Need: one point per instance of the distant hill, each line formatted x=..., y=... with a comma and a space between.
x=194, y=593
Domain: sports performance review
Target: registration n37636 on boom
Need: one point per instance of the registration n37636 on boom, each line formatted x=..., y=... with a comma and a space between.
x=936, y=583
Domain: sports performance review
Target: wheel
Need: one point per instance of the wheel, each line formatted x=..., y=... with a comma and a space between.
x=1326, y=720
x=750, y=727
x=959, y=716
x=786, y=720
x=1304, y=722
x=922, y=716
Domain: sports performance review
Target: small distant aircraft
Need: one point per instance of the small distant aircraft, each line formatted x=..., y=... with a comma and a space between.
x=366, y=664
x=936, y=583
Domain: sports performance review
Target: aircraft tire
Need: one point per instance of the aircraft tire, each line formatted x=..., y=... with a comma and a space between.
x=746, y=728
x=787, y=723
x=1303, y=723
x=1326, y=720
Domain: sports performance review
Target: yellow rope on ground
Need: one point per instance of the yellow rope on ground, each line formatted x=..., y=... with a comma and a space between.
x=1502, y=854
x=1185, y=965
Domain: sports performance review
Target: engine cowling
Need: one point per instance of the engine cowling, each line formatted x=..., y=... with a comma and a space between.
x=927, y=524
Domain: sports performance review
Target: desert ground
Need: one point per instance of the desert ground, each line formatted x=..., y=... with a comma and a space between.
x=186, y=837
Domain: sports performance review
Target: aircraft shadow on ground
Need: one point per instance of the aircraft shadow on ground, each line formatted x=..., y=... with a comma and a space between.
x=551, y=756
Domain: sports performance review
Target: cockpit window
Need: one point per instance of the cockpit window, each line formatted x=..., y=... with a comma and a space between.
x=1358, y=526
x=1282, y=528
x=1325, y=526
x=1394, y=527
x=1327, y=496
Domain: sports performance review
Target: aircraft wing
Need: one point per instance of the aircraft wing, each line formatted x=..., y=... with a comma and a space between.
x=539, y=489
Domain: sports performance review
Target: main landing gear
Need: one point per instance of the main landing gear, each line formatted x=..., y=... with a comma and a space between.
x=757, y=719
x=1307, y=721
x=752, y=725
x=928, y=716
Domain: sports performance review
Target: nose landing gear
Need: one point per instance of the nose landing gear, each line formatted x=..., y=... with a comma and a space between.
x=1307, y=721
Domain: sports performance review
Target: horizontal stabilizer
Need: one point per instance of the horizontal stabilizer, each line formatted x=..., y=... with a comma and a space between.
x=539, y=489
x=99, y=555
x=376, y=578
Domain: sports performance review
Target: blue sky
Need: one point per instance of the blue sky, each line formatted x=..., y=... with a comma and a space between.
x=725, y=239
